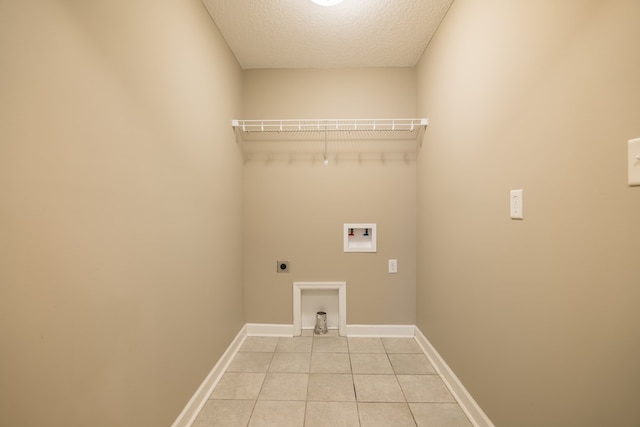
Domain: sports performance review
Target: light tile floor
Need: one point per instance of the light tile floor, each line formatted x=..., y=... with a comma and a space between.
x=327, y=380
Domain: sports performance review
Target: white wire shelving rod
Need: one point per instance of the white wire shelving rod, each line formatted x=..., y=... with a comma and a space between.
x=323, y=125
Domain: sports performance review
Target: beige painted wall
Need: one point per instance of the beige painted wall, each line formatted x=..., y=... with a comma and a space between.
x=539, y=318
x=295, y=207
x=120, y=210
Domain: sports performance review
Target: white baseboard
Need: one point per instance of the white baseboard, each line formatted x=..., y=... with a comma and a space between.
x=381, y=331
x=200, y=397
x=470, y=407
x=269, y=330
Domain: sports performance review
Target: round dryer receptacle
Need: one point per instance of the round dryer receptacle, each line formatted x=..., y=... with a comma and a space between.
x=282, y=267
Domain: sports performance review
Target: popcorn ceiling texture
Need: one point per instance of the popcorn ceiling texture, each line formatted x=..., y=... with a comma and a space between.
x=301, y=34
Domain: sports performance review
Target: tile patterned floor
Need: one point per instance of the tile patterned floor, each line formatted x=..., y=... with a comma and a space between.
x=315, y=381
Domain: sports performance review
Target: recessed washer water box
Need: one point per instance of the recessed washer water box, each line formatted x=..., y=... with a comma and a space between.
x=359, y=237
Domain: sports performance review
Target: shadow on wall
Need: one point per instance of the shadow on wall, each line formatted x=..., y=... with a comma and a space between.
x=331, y=159
x=336, y=152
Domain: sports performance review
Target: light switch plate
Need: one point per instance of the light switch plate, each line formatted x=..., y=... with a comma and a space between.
x=516, y=204
x=634, y=161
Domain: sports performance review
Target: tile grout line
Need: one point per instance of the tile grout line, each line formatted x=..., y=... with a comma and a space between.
x=353, y=382
x=264, y=380
x=306, y=398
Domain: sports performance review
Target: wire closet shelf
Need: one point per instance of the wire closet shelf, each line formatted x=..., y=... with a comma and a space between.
x=333, y=125
x=350, y=135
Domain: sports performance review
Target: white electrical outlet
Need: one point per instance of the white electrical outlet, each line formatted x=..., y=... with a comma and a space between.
x=516, y=204
x=393, y=266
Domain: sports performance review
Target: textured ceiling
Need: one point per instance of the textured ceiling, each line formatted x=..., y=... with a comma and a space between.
x=301, y=34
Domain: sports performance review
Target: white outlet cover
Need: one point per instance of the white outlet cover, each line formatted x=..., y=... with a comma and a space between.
x=393, y=266
x=515, y=205
x=634, y=161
